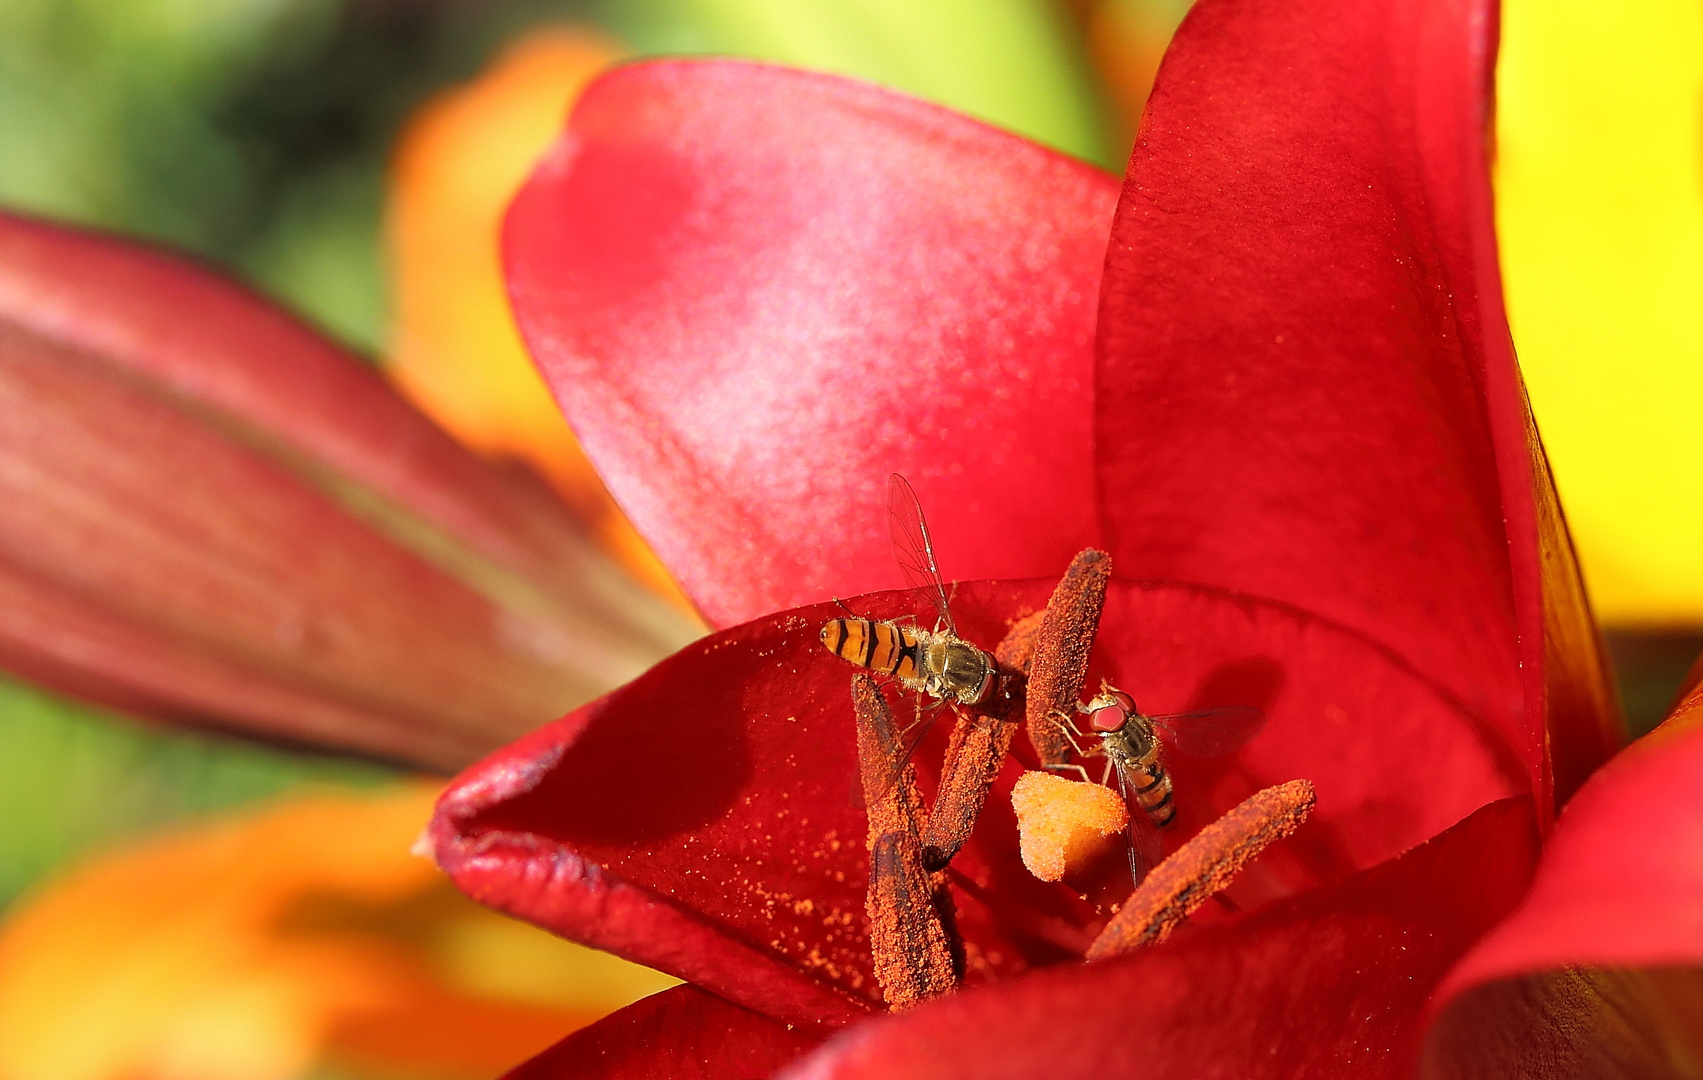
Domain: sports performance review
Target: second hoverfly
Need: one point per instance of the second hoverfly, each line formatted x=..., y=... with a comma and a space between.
x=1130, y=742
x=935, y=662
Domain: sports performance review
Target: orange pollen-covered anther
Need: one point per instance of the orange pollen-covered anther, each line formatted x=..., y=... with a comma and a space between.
x=980, y=741
x=1193, y=873
x=1062, y=645
x=911, y=939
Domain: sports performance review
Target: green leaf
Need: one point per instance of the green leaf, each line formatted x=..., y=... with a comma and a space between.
x=74, y=778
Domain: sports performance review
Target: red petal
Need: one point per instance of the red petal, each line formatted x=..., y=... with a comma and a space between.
x=679, y=1034
x=1307, y=391
x=213, y=514
x=1340, y=712
x=699, y=820
x=1329, y=984
x=1618, y=888
x=756, y=292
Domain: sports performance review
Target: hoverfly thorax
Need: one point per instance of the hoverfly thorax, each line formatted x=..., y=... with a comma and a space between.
x=959, y=671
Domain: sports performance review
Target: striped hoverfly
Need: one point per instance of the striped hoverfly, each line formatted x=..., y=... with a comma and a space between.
x=935, y=662
x=1134, y=746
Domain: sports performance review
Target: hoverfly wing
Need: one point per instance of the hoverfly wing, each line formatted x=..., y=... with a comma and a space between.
x=913, y=739
x=1210, y=732
x=914, y=548
x=1144, y=839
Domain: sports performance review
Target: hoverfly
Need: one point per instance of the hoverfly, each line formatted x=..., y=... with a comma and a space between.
x=935, y=662
x=1131, y=744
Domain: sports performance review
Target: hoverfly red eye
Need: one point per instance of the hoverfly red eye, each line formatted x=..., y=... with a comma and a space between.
x=1108, y=718
x=1124, y=700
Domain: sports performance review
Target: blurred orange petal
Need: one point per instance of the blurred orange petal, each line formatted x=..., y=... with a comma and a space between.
x=455, y=350
x=1126, y=40
x=265, y=947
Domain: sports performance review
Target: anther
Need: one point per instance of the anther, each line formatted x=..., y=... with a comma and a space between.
x=894, y=804
x=1193, y=873
x=980, y=741
x=914, y=947
x=1062, y=646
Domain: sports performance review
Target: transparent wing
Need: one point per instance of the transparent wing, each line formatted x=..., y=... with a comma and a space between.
x=913, y=739
x=1209, y=732
x=1144, y=841
x=914, y=548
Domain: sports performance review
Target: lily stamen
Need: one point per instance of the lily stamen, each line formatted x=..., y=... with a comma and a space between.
x=1202, y=867
x=916, y=950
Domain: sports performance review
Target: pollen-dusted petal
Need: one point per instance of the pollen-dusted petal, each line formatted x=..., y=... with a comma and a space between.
x=1195, y=872
x=1330, y=984
x=1061, y=824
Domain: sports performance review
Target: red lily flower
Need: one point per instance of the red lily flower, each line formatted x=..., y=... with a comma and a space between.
x=1293, y=419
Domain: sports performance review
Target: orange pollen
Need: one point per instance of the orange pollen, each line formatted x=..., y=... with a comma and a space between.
x=1193, y=873
x=916, y=952
x=1062, y=645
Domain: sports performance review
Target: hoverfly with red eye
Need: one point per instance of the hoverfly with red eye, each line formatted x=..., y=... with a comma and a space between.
x=1131, y=743
x=937, y=662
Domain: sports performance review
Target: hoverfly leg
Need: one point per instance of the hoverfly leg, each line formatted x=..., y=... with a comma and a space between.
x=847, y=610
x=1071, y=734
x=1079, y=770
x=1106, y=774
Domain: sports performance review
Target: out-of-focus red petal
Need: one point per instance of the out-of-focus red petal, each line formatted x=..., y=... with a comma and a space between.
x=679, y=1034
x=1328, y=984
x=699, y=820
x=1618, y=888
x=755, y=292
x=1307, y=390
x=209, y=513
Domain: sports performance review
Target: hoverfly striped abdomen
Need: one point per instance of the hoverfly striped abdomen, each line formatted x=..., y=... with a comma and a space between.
x=1128, y=740
x=885, y=648
x=1151, y=786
